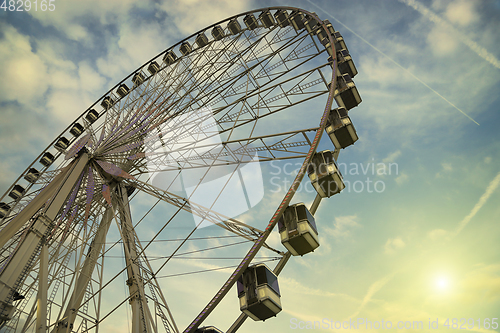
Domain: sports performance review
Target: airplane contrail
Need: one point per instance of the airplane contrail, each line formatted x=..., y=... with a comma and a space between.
x=486, y=195
x=395, y=62
x=476, y=48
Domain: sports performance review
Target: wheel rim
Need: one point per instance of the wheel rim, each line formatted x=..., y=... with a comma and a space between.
x=115, y=142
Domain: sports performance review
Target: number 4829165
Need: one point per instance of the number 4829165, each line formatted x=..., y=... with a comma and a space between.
x=462, y=323
x=27, y=5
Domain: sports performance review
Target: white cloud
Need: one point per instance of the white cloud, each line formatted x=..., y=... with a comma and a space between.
x=437, y=234
x=23, y=73
x=66, y=105
x=89, y=78
x=441, y=42
x=342, y=226
x=192, y=15
x=461, y=12
x=402, y=178
x=68, y=14
x=447, y=167
x=392, y=157
x=393, y=244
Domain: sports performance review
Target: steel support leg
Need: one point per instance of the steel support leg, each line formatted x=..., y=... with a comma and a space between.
x=68, y=319
x=43, y=282
x=18, y=267
x=315, y=204
x=141, y=317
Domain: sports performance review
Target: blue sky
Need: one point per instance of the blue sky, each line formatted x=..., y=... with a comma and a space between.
x=424, y=247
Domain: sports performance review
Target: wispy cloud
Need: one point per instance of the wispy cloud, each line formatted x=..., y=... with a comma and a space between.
x=372, y=290
x=484, y=198
x=396, y=63
x=393, y=244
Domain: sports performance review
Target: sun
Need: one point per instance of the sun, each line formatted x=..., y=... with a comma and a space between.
x=442, y=283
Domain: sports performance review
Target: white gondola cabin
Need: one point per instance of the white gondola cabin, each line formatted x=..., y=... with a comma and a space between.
x=92, y=116
x=153, y=67
x=267, y=19
x=4, y=209
x=123, y=90
x=47, y=159
x=76, y=130
x=282, y=18
x=345, y=63
x=170, y=57
x=201, y=40
x=346, y=93
x=17, y=192
x=138, y=78
x=217, y=32
x=107, y=102
x=251, y=22
x=234, y=26
x=32, y=175
x=321, y=33
x=297, y=20
x=259, y=293
x=62, y=144
x=340, y=129
x=311, y=24
x=325, y=175
x=298, y=230
x=185, y=48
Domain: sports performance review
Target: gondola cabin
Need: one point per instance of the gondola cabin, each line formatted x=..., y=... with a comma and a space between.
x=346, y=93
x=298, y=230
x=345, y=63
x=251, y=22
x=311, y=24
x=325, y=175
x=92, y=116
x=47, y=159
x=138, y=79
x=217, y=32
x=281, y=17
x=32, y=175
x=76, y=130
x=62, y=144
x=340, y=129
x=297, y=20
x=267, y=19
x=123, y=90
x=107, y=102
x=153, y=68
x=170, y=57
x=17, y=192
x=234, y=26
x=201, y=40
x=259, y=293
x=185, y=48
x=4, y=209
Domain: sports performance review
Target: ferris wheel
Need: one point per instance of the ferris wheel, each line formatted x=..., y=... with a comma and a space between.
x=190, y=136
